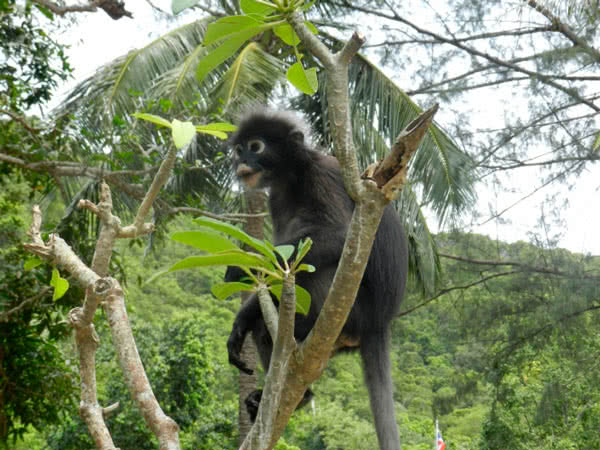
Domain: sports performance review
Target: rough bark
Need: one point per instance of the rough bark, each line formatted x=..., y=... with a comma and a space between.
x=255, y=205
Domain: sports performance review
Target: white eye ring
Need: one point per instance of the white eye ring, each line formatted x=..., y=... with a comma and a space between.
x=255, y=145
x=237, y=148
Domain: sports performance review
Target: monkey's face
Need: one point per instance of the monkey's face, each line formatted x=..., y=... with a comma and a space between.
x=250, y=161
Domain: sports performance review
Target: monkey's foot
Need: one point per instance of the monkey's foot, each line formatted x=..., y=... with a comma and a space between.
x=253, y=401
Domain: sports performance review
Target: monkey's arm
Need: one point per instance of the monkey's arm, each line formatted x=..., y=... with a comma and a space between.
x=245, y=319
x=234, y=273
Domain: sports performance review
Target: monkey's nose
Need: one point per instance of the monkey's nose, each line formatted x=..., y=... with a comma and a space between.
x=244, y=170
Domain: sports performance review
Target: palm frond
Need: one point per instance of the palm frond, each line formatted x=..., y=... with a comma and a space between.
x=380, y=111
x=113, y=88
x=251, y=78
x=423, y=259
x=441, y=174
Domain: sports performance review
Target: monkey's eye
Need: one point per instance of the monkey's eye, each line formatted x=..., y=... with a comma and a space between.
x=237, y=148
x=256, y=145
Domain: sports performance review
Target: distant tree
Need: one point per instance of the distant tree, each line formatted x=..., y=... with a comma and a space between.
x=185, y=380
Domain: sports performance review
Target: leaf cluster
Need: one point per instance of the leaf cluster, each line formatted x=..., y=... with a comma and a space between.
x=229, y=34
x=269, y=266
x=32, y=63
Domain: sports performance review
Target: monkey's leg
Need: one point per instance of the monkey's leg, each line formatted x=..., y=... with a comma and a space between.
x=374, y=349
x=245, y=321
x=253, y=401
x=264, y=344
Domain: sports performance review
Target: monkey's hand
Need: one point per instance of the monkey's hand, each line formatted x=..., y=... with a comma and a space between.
x=234, y=349
x=252, y=402
x=234, y=273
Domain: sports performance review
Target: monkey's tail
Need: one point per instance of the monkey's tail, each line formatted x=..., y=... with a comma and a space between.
x=375, y=353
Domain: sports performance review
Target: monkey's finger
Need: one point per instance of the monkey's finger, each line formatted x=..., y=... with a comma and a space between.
x=241, y=365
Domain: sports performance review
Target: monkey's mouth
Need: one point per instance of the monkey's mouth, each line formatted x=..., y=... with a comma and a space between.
x=249, y=176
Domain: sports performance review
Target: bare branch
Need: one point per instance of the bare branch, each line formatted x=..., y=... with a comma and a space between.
x=564, y=29
x=336, y=67
x=546, y=79
x=114, y=8
x=474, y=37
x=202, y=212
x=5, y=315
x=390, y=174
x=455, y=288
x=21, y=120
x=261, y=434
x=158, y=182
x=524, y=267
x=163, y=427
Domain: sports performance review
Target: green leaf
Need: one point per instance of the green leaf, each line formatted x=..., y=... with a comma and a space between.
x=32, y=263
x=286, y=251
x=227, y=26
x=596, y=145
x=60, y=285
x=179, y=5
x=311, y=27
x=204, y=240
x=217, y=126
x=224, y=290
x=152, y=118
x=183, y=133
x=245, y=259
x=306, y=267
x=225, y=50
x=302, y=297
x=308, y=5
x=303, y=80
x=217, y=134
x=263, y=8
x=45, y=11
x=236, y=233
x=217, y=129
x=303, y=247
x=287, y=34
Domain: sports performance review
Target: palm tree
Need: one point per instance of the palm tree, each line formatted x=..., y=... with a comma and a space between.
x=164, y=70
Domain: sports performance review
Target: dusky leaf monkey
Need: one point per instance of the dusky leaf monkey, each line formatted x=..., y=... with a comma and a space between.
x=307, y=198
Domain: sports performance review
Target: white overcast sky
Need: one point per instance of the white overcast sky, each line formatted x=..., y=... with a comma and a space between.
x=96, y=39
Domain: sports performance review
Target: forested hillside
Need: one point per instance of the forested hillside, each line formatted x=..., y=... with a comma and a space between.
x=497, y=342
x=511, y=362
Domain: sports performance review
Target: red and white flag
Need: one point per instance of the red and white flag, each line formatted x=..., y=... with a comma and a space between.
x=438, y=438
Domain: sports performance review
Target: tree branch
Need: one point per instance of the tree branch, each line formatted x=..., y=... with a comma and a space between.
x=524, y=267
x=5, y=315
x=546, y=79
x=455, y=288
x=108, y=291
x=114, y=8
x=336, y=67
x=284, y=343
x=564, y=29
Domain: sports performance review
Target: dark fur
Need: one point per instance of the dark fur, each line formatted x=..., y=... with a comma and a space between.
x=308, y=199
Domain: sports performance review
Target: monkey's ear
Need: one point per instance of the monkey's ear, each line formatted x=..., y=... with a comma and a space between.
x=296, y=137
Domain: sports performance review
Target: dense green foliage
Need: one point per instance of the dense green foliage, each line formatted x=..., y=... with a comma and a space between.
x=185, y=379
x=506, y=359
x=509, y=363
x=37, y=384
x=33, y=63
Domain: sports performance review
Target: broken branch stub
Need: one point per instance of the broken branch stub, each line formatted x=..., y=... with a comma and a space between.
x=390, y=174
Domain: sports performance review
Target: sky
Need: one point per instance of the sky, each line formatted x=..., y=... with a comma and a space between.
x=95, y=39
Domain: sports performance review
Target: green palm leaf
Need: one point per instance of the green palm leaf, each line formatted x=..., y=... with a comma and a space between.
x=440, y=176
x=109, y=91
x=380, y=111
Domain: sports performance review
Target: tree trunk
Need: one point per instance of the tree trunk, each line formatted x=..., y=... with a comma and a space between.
x=255, y=204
